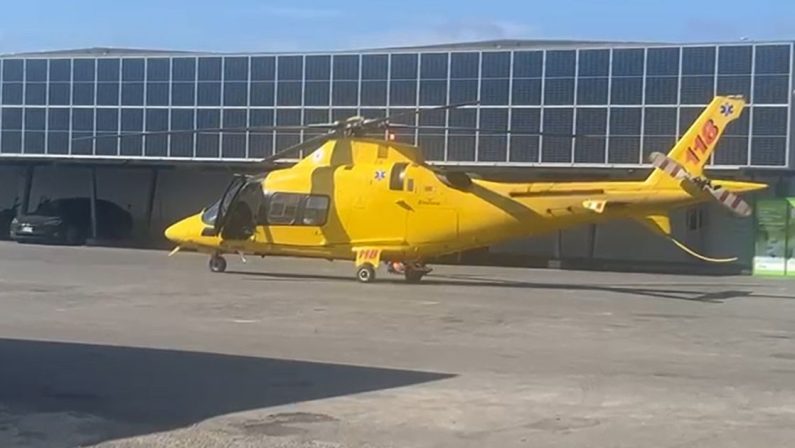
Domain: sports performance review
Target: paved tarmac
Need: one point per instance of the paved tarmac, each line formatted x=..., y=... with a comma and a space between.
x=129, y=348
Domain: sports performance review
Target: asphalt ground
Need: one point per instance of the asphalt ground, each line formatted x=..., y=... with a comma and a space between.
x=131, y=348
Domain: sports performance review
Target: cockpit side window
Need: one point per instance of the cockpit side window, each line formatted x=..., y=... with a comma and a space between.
x=397, y=176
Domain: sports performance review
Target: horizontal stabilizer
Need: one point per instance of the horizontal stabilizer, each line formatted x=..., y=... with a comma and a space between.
x=657, y=223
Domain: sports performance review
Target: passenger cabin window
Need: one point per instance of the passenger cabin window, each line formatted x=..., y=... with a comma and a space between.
x=283, y=208
x=397, y=176
x=315, y=211
x=294, y=209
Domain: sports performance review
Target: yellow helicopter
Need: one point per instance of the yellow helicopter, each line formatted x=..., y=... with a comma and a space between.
x=376, y=200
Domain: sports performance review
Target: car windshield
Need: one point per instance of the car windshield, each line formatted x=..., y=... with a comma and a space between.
x=48, y=208
x=210, y=213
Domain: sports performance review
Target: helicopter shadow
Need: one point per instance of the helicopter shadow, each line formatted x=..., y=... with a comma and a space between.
x=635, y=290
x=117, y=392
x=693, y=295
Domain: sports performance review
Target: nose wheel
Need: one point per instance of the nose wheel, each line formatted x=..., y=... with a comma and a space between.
x=365, y=273
x=217, y=263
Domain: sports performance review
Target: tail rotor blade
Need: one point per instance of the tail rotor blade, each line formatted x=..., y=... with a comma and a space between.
x=669, y=166
x=731, y=201
x=725, y=197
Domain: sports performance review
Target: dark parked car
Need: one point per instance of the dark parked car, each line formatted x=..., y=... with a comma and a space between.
x=6, y=215
x=68, y=221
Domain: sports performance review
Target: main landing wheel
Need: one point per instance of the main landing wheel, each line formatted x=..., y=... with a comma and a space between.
x=365, y=273
x=413, y=275
x=217, y=263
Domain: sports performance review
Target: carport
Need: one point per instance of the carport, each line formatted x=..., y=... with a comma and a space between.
x=155, y=193
x=30, y=173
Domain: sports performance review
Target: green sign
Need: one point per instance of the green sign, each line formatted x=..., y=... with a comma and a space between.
x=775, y=237
x=790, y=247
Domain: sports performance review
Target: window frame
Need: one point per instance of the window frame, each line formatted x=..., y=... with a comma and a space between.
x=297, y=219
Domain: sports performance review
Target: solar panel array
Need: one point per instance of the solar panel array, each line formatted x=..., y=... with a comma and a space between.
x=631, y=101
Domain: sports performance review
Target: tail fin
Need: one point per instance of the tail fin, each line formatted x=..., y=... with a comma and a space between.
x=695, y=147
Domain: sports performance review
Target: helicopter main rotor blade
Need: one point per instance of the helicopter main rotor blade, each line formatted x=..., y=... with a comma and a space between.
x=417, y=111
x=312, y=143
x=336, y=125
x=485, y=131
x=210, y=131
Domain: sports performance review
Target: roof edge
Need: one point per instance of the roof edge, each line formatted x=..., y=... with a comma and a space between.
x=499, y=44
x=101, y=51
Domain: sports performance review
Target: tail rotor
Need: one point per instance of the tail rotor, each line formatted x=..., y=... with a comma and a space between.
x=723, y=196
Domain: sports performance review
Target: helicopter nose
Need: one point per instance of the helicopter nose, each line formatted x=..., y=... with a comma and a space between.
x=177, y=232
x=172, y=231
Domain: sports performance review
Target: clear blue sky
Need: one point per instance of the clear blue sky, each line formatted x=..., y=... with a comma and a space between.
x=248, y=25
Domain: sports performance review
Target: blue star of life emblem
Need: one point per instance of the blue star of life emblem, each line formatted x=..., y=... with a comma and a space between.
x=726, y=109
x=380, y=175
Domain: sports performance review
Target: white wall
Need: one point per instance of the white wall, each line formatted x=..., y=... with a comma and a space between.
x=183, y=192
x=619, y=240
x=721, y=235
x=53, y=182
x=630, y=240
x=576, y=241
x=727, y=235
x=541, y=246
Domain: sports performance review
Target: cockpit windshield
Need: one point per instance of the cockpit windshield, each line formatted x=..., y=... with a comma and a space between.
x=211, y=213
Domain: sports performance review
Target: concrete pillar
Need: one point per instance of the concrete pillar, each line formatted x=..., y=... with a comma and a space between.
x=558, y=252
x=150, y=203
x=93, y=195
x=591, y=241
x=27, y=184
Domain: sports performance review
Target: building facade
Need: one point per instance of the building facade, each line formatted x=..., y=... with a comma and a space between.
x=626, y=100
x=629, y=100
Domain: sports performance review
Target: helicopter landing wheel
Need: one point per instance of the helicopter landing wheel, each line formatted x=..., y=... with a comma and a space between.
x=217, y=263
x=414, y=275
x=365, y=273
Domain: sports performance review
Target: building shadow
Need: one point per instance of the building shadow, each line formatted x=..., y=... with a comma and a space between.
x=141, y=391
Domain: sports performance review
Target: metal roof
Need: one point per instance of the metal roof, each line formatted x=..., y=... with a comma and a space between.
x=504, y=44
x=100, y=51
x=500, y=44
